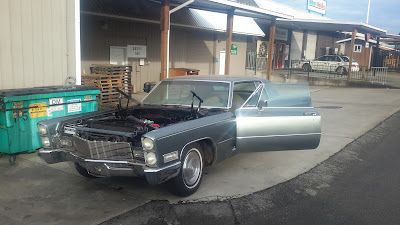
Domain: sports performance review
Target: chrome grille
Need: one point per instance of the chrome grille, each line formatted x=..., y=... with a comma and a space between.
x=102, y=150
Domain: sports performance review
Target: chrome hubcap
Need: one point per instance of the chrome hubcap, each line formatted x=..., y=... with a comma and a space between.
x=191, y=168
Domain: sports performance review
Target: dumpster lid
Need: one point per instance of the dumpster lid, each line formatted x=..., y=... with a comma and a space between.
x=43, y=90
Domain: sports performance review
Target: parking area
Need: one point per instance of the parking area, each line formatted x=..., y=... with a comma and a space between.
x=33, y=192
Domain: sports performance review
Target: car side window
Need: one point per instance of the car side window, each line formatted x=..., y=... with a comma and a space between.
x=254, y=98
x=242, y=91
x=332, y=58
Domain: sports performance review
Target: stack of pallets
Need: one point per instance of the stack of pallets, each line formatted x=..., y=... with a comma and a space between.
x=107, y=78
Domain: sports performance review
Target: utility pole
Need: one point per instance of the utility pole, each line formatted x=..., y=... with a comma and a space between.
x=369, y=8
x=165, y=26
x=229, y=31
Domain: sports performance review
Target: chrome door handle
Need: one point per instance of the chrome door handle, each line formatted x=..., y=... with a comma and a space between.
x=310, y=114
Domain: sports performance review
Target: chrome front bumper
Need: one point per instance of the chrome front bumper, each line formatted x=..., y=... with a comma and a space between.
x=110, y=168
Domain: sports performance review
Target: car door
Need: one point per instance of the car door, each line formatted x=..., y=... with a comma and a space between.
x=319, y=64
x=268, y=123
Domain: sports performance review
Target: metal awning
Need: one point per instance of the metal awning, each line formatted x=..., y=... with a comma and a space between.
x=330, y=26
x=357, y=38
x=246, y=8
x=187, y=17
x=391, y=39
x=217, y=22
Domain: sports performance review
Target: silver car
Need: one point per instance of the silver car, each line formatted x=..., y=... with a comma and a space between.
x=332, y=64
x=183, y=125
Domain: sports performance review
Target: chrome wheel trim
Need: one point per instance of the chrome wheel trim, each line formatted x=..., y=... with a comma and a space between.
x=192, y=168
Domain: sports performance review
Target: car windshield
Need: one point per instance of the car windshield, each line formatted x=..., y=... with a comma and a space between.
x=214, y=94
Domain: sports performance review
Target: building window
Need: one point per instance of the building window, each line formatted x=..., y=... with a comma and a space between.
x=357, y=48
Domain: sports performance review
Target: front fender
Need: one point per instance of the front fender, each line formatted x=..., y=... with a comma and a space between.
x=216, y=128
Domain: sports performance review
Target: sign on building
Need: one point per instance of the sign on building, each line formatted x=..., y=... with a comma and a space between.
x=281, y=34
x=137, y=51
x=234, y=49
x=262, y=49
x=318, y=6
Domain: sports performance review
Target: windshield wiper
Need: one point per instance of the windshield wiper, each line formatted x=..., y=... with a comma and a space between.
x=200, y=101
x=123, y=112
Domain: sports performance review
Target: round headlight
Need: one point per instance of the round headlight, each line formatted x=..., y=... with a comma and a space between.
x=150, y=158
x=46, y=142
x=147, y=144
x=42, y=129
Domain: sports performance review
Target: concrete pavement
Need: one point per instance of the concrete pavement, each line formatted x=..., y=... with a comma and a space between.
x=358, y=186
x=32, y=190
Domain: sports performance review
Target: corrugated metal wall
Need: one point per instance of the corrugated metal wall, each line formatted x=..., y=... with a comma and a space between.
x=189, y=48
x=34, y=43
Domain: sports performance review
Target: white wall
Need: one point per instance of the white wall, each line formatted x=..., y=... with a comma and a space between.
x=296, y=45
x=37, y=42
x=311, y=45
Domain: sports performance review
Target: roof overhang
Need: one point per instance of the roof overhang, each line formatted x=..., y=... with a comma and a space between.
x=391, y=39
x=239, y=9
x=357, y=38
x=330, y=26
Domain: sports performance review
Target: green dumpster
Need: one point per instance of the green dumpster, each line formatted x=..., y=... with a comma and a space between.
x=22, y=109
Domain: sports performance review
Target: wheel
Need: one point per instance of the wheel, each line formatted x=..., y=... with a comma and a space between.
x=341, y=70
x=82, y=171
x=189, y=178
x=307, y=67
x=12, y=159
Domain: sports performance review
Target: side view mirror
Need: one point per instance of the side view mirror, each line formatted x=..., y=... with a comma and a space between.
x=261, y=104
x=148, y=86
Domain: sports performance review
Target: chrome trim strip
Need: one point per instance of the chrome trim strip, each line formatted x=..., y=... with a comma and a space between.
x=225, y=140
x=117, y=169
x=288, y=107
x=203, y=138
x=282, y=135
x=155, y=170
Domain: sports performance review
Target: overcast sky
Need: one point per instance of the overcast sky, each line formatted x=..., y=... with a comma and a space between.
x=384, y=13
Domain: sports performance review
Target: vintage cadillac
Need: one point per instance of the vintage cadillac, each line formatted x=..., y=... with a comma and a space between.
x=183, y=125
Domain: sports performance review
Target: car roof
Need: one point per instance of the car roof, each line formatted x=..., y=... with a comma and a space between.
x=217, y=78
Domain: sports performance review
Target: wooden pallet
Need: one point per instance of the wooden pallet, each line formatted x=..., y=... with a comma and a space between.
x=111, y=69
x=108, y=83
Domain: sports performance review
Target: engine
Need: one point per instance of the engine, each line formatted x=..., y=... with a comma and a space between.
x=128, y=126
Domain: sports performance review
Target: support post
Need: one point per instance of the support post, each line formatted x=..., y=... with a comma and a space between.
x=366, y=54
x=271, y=44
x=353, y=39
x=229, y=31
x=164, y=21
